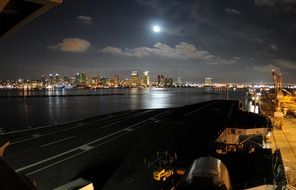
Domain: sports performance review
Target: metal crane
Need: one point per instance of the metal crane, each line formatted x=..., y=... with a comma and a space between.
x=278, y=96
x=278, y=89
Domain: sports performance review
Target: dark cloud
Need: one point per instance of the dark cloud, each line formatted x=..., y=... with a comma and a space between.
x=288, y=64
x=182, y=51
x=72, y=45
x=279, y=5
x=265, y=68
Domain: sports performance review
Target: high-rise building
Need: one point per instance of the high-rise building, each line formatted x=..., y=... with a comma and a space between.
x=168, y=82
x=20, y=80
x=51, y=78
x=208, y=81
x=146, y=80
x=95, y=79
x=134, y=78
x=83, y=77
x=115, y=81
x=116, y=78
x=43, y=80
x=77, y=77
x=104, y=80
x=179, y=82
x=160, y=80
x=57, y=78
x=66, y=78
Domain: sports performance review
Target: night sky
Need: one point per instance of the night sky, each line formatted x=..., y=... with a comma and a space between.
x=228, y=40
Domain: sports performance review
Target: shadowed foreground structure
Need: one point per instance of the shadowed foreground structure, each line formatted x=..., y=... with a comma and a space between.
x=109, y=150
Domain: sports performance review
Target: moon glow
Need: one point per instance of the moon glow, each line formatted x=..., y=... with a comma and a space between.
x=156, y=29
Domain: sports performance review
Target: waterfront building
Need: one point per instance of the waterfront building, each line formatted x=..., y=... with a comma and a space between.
x=179, y=80
x=66, y=79
x=51, y=78
x=168, y=82
x=43, y=80
x=83, y=77
x=57, y=78
x=208, y=81
x=134, y=78
x=160, y=80
x=116, y=77
x=146, y=80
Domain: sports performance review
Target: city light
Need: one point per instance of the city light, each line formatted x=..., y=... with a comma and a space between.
x=136, y=79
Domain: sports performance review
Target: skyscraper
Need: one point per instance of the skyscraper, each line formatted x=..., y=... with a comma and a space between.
x=208, y=81
x=43, y=80
x=116, y=78
x=179, y=82
x=77, y=78
x=57, y=78
x=134, y=78
x=146, y=80
x=51, y=78
x=160, y=80
x=83, y=77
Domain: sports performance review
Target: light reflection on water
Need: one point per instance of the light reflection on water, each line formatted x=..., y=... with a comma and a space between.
x=158, y=99
x=22, y=112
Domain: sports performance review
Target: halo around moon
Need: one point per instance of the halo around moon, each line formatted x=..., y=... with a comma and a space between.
x=156, y=28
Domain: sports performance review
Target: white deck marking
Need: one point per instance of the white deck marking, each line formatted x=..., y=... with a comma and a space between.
x=86, y=147
x=66, y=152
x=128, y=130
x=110, y=125
x=83, y=147
x=57, y=141
x=36, y=135
x=77, y=125
x=75, y=155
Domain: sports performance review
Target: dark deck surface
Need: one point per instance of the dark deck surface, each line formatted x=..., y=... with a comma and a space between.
x=110, y=150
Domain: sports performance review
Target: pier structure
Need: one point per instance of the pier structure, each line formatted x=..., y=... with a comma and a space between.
x=283, y=139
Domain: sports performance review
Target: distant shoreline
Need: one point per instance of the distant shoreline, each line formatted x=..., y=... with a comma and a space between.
x=59, y=95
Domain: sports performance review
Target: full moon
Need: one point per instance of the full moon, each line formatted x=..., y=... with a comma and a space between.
x=156, y=29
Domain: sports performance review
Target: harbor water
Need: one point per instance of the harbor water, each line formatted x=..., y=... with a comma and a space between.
x=27, y=109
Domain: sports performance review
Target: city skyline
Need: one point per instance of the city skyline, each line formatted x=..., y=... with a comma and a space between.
x=229, y=41
x=152, y=76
